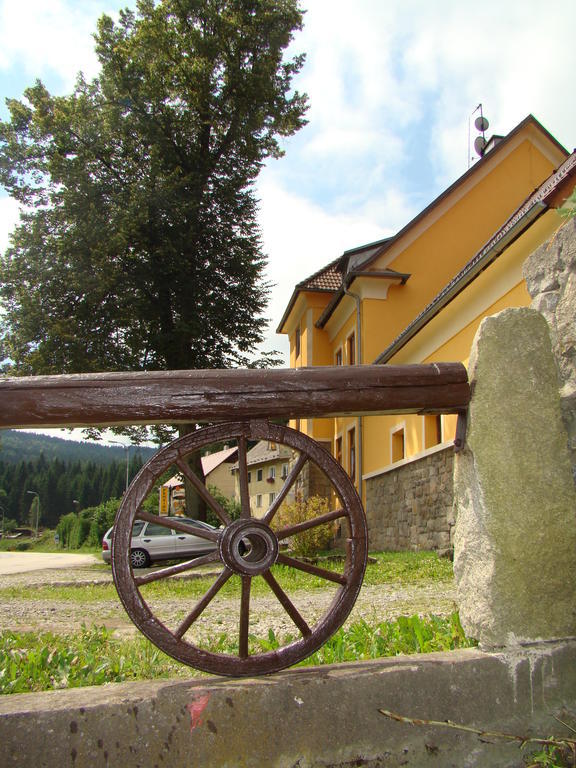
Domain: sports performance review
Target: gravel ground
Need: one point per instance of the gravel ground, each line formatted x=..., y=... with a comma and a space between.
x=374, y=603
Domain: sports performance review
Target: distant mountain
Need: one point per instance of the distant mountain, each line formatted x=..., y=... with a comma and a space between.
x=16, y=446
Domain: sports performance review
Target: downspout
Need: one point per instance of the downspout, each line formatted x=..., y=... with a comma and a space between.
x=359, y=419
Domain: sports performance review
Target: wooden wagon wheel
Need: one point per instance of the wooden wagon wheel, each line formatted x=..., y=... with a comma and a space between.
x=248, y=547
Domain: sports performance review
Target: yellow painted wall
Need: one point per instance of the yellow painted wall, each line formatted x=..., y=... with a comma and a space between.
x=443, y=248
x=223, y=479
x=502, y=279
x=432, y=251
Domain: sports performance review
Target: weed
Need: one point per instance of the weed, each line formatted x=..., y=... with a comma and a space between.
x=41, y=661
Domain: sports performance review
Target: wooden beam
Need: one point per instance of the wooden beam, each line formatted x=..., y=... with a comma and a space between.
x=106, y=399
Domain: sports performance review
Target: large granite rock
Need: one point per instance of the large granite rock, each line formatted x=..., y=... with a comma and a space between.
x=515, y=538
x=550, y=274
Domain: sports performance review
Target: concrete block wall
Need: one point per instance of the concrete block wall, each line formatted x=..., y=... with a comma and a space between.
x=325, y=717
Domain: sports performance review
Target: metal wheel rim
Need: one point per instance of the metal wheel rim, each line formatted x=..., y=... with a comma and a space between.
x=226, y=664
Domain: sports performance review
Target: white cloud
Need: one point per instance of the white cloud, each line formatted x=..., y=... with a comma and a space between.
x=301, y=237
x=515, y=58
x=392, y=86
x=53, y=37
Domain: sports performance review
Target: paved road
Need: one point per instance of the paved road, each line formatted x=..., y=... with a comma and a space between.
x=22, y=562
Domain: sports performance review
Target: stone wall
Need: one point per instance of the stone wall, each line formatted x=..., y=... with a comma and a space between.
x=550, y=274
x=410, y=507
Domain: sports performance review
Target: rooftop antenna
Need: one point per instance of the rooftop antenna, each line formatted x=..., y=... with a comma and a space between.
x=481, y=124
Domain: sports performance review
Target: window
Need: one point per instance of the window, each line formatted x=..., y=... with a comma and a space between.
x=271, y=473
x=338, y=450
x=157, y=530
x=259, y=500
x=284, y=474
x=271, y=497
x=297, y=342
x=398, y=447
x=352, y=454
x=338, y=357
x=249, y=477
x=351, y=349
x=432, y=430
x=272, y=446
x=259, y=475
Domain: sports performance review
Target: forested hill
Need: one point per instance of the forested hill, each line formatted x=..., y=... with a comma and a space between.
x=67, y=476
x=16, y=446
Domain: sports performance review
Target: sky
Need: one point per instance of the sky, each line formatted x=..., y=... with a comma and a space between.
x=393, y=88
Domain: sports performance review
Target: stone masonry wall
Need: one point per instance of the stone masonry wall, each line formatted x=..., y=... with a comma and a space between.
x=410, y=507
x=550, y=274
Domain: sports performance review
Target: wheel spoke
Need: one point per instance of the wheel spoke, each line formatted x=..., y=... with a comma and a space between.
x=203, y=603
x=287, y=604
x=292, y=530
x=312, y=569
x=203, y=491
x=243, y=477
x=288, y=483
x=244, y=617
x=245, y=548
x=172, y=570
x=177, y=525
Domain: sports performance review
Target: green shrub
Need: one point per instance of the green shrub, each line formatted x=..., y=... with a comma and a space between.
x=100, y=518
x=311, y=541
x=64, y=528
x=231, y=506
x=9, y=525
x=79, y=532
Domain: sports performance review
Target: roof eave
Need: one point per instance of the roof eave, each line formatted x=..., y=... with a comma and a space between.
x=288, y=311
x=386, y=274
x=529, y=120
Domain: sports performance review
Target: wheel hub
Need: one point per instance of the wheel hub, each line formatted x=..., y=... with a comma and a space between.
x=248, y=547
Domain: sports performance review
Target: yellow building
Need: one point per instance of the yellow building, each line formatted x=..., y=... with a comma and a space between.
x=419, y=296
x=268, y=466
x=217, y=471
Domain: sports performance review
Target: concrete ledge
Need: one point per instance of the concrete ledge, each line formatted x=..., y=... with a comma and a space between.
x=326, y=716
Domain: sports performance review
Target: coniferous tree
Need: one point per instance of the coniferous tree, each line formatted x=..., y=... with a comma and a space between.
x=140, y=248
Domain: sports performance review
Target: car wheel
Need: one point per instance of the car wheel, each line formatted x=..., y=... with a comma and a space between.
x=139, y=558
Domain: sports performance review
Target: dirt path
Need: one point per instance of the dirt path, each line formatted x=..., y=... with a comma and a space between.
x=375, y=603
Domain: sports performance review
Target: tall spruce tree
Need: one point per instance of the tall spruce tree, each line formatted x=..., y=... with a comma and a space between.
x=139, y=248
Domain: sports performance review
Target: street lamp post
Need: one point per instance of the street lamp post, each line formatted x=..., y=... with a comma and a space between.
x=2, y=529
x=35, y=493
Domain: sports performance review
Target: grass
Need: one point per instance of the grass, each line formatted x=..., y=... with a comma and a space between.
x=406, y=568
x=43, y=661
x=44, y=543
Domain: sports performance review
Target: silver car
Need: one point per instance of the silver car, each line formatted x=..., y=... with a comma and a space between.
x=152, y=542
